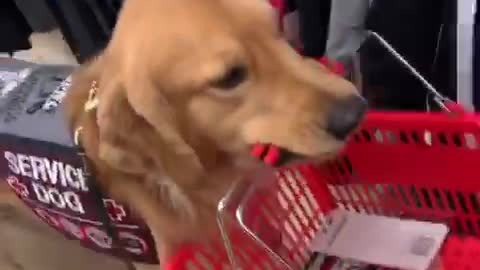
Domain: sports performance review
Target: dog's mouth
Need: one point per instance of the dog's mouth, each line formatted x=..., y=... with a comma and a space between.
x=276, y=156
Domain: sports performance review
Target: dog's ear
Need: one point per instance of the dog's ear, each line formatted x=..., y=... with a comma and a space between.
x=120, y=131
x=103, y=143
x=136, y=137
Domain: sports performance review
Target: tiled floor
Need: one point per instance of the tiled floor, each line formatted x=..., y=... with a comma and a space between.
x=34, y=246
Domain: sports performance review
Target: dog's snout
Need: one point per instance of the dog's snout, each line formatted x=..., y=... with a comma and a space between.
x=344, y=115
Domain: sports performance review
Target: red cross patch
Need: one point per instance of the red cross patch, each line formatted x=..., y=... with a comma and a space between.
x=18, y=187
x=116, y=212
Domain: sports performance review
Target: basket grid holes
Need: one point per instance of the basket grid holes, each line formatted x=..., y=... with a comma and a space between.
x=305, y=216
x=467, y=140
x=301, y=222
x=367, y=199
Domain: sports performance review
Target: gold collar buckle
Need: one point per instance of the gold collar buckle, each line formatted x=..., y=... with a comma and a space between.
x=92, y=101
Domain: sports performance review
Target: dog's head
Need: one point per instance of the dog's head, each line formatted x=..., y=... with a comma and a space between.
x=189, y=83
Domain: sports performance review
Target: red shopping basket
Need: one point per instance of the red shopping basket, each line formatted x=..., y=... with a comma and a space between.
x=419, y=166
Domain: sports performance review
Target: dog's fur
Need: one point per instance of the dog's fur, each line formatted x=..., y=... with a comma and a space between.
x=185, y=88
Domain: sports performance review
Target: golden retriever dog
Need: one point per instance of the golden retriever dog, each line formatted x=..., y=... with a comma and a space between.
x=179, y=96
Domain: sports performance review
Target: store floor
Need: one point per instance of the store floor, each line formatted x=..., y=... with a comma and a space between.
x=28, y=244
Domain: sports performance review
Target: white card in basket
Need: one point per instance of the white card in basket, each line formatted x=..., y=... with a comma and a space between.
x=382, y=241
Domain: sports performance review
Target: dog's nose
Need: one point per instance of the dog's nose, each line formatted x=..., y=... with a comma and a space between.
x=345, y=115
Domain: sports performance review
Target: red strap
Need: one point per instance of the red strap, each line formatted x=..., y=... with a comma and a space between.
x=258, y=150
x=273, y=155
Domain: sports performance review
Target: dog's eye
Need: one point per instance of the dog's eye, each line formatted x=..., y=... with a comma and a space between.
x=231, y=79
